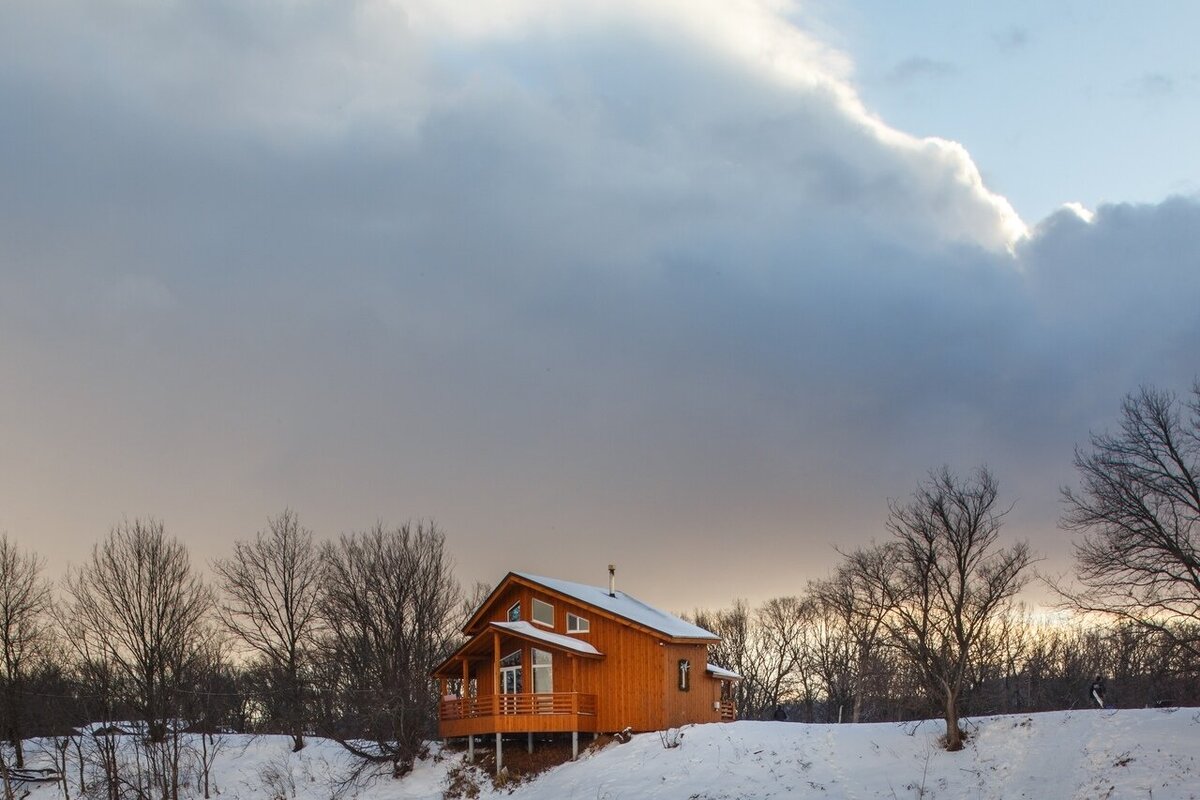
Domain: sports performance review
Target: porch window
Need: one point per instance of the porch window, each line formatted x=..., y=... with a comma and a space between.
x=685, y=675
x=577, y=624
x=514, y=612
x=543, y=613
x=543, y=671
x=511, y=673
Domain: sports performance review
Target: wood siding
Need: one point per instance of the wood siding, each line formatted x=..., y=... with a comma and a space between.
x=635, y=683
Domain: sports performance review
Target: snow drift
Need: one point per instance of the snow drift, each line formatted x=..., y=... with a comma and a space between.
x=1064, y=754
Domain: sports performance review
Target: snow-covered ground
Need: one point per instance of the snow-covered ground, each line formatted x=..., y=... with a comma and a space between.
x=1090, y=754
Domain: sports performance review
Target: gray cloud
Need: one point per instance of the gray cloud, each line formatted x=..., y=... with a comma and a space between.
x=584, y=292
x=1013, y=39
x=919, y=68
x=1155, y=85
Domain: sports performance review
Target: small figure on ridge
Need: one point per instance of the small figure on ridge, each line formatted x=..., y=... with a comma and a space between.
x=1097, y=691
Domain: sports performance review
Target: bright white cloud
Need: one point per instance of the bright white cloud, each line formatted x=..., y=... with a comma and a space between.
x=1080, y=211
x=697, y=82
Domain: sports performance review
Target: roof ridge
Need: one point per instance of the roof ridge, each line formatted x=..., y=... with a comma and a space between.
x=623, y=605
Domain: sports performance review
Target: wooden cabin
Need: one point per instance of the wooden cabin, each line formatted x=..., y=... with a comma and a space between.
x=544, y=655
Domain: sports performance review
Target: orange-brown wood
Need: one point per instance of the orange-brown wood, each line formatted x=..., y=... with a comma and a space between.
x=495, y=662
x=633, y=684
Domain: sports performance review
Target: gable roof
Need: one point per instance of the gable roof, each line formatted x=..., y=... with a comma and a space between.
x=624, y=606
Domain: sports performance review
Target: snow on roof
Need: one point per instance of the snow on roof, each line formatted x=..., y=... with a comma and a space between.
x=531, y=631
x=624, y=605
x=721, y=672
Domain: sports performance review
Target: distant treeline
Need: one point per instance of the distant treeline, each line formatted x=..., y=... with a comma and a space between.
x=338, y=638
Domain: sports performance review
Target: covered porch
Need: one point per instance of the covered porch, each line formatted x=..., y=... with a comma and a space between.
x=483, y=684
x=554, y=712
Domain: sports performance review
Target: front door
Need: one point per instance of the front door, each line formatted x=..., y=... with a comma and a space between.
x=510, y=682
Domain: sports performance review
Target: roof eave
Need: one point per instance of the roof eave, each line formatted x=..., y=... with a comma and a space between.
x=496, y=626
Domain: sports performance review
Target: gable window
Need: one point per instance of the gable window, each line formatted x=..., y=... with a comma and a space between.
x=577, y=624
x=543, y=613
x=685, y=674
x=514, y=612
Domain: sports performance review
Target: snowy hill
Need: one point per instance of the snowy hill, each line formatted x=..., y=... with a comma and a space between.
x=1082, y=754
x=1090, y=754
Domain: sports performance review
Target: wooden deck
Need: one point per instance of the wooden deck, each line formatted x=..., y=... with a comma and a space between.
x=557, y=712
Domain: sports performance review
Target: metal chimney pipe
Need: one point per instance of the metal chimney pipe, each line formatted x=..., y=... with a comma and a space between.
x=612, y=580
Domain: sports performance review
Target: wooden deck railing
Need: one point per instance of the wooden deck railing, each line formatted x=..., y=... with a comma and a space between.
x=728, y=710
x=529, y=704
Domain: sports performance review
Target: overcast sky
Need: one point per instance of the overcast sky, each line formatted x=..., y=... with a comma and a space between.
x=689, y=286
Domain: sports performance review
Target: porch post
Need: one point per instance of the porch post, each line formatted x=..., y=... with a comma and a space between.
x=466, y=679
x=496, y=664
x=574, y=745
x=529, y=746
x=471, y=748
x=496, y=679
x=499, y=751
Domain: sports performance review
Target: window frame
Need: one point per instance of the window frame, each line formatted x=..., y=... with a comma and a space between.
x=533, y=612
x=514, y=612
x=586, y=627
x=546, y=669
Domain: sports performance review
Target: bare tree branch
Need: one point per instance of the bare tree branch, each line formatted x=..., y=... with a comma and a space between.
x=272, y=596
x=25, y=604
x=389, y=604
x=1137, y=513
x=943, y=580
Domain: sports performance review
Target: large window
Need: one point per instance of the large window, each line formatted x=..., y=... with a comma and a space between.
x=577, y=624
x=543, y=671
x=510, y=673
x=543, y=613
x=514, y=612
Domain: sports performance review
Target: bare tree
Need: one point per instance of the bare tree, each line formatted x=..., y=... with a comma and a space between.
x=738, y=651
x=272, y=589
x=831, y=659
x=5, y=780
x=98, y=684
x=472, y=601
x=1138, y=510
x=851, y=604
x=390, y=602
x=24, y=635
x=943, y=579
x=779, y=625
x=209, y=703
x=143, y=610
